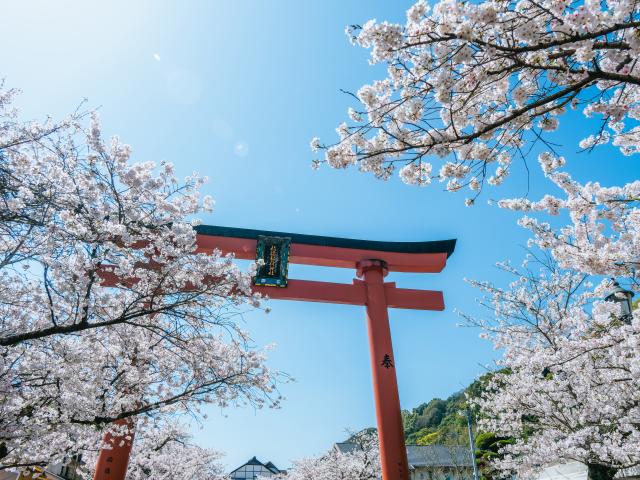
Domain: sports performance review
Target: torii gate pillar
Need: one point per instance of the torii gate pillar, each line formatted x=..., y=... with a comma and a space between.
x=393, y=454
x=113, y=461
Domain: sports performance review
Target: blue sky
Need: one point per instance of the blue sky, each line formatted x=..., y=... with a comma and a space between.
x=235, y=90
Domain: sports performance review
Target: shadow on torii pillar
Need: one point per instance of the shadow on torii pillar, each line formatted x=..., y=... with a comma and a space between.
x=372, y=260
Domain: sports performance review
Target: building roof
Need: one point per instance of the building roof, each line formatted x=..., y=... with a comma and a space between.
x=438, y=246
x=254, y=461
x=631, y=472
x=347, y=447
x=5, y=475
x=574, y=470
x=272, y=467
x=439, y=456
x=425, y=455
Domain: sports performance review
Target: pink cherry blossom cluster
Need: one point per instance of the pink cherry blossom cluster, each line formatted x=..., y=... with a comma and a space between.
x=603, y=237
x=473, y=82
x=565, y=388
x=565, y=384
x=360, y=462
x=165, y=449
x=106, y=309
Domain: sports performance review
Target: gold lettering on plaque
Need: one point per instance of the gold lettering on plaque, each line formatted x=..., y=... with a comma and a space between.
x=273, y=259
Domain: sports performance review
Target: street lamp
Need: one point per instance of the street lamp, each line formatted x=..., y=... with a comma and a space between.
x=623, y=298
x=472, y=443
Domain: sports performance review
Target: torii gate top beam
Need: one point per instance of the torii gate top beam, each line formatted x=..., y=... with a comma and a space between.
x=419, y=257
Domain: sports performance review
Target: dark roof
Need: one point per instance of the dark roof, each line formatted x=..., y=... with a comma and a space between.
x=438, y=246
x=254, y=461
x=631, y=472
x=272, y=467
x=347, y=447
x=439, y=456
x=4, y=475
x=426, y=455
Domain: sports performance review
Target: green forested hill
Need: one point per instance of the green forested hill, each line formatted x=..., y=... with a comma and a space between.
x=444, y=422
x=440, y=421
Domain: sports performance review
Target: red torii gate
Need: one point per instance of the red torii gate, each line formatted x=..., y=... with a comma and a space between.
x=372, y=260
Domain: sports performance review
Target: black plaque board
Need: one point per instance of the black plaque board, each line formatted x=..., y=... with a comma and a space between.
x=273, y=253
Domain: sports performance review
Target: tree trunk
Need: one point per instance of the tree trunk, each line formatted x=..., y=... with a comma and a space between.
x=600, y=472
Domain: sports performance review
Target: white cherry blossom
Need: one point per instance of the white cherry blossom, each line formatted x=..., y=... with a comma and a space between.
x=566, y=388
x=474, y=81
x=362, y=462
x=107, y=311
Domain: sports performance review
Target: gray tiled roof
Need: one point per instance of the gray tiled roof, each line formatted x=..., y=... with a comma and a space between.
x=254, y=461
x=631, y=472
x=438, y=456
x=426, y=455
x=347, y=447
x=4, y=475
x=272, y=467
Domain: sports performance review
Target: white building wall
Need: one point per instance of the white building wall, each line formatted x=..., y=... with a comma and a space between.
x=564, y=471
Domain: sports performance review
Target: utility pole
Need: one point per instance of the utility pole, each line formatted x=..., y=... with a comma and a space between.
x=472, y=446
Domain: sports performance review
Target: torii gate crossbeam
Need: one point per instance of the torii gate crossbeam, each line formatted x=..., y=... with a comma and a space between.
x=372, y=261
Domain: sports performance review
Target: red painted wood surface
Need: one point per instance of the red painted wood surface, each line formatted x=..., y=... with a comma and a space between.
x=393, y=452
x=245, y=249
x=354, y=294
x=112, y=462
x=327, y=292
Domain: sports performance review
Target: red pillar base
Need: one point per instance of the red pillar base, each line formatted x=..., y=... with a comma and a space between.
x=113, y=462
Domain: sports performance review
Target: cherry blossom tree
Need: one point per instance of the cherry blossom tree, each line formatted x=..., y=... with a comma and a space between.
x=107, y=311
x=472, y=85
x=567, y=384
x=359, y=459
x=166, y=450
x=362, y=462
x=566, y=388
x=603, y=237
